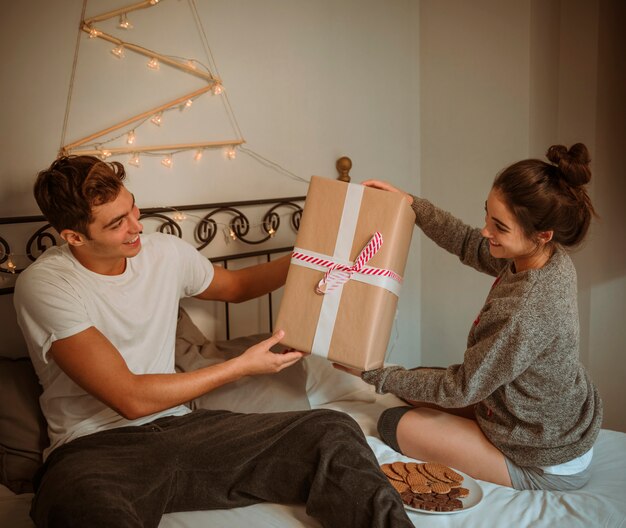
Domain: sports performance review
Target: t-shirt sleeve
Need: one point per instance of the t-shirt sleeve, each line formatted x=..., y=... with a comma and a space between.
x=196, y=270
x=48, y=309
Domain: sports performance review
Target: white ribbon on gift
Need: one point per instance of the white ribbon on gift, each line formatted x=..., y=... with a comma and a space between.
x=341, y=255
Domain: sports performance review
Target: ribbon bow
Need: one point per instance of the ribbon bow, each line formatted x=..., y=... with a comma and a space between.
x=339, y=274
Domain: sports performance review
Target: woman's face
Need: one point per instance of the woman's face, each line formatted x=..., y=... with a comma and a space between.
x=505, y=235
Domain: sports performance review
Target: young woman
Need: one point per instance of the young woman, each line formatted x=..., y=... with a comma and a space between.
x=520, y=410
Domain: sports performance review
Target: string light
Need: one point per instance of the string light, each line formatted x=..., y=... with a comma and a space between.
x=118, y=51
x=124, y=22
x=167, y=161
x=11, y=265
x=134, y=159
x=215, y=87
x=177, y=216
x=153, y=63
x=154, y=2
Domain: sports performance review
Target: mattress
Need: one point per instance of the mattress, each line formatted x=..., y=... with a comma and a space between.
x=601, y=503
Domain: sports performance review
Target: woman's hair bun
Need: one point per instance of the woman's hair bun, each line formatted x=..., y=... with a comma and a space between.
x=573, y=163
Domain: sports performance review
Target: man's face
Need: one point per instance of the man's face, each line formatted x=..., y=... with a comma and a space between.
x=114, y=231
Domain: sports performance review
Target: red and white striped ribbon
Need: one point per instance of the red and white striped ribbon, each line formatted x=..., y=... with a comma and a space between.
x=338, y=274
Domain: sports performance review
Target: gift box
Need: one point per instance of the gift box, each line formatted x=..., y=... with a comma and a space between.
x=345, y=273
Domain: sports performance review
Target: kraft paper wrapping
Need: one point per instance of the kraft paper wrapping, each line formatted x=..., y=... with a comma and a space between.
x=365, y=314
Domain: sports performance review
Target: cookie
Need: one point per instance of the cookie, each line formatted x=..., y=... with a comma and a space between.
x=428, y=486
x=400, y=486
x=453, y=475
x=438, y=471
x=463, y=492
x=407, y=498
x=421, y=469
x=440, y=487
x=391, y=474
x=416, y=479
x=411, y=467
x=399, y=468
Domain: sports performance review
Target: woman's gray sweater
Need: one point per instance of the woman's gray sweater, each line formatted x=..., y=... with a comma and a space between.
x=534, y=399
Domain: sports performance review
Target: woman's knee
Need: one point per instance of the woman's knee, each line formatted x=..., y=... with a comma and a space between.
x=388, y=425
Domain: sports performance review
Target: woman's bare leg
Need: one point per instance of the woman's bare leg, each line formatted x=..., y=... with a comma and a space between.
x=439, y=436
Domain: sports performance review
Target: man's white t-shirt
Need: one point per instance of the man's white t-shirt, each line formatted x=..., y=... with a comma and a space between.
x=56, y=297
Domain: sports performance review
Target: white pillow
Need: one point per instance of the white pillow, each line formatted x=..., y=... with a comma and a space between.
x=326, y=384
x=283, y=391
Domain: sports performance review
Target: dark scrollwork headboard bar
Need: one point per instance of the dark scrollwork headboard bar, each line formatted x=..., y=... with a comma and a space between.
x=15, y=256
x=233, y=216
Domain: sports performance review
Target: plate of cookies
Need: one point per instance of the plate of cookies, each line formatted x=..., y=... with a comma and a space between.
x=430, y=487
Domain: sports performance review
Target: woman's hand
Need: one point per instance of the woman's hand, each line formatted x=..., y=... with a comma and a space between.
x=377, y=184
x=259, y=359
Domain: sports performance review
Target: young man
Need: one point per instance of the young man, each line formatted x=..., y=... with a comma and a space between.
x=99, y=317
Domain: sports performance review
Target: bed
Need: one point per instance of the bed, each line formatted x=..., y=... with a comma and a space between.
x=237, y=239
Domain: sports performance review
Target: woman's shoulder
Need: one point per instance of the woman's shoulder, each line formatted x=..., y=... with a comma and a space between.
x=538, y=287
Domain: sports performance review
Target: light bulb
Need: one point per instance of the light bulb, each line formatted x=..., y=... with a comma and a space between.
x=188, y=103
x=217, y=89
x=179, y=216
x=118, y=51
x=231, y=153
x=153, y=63
x=232, y=234
x=94, y=33
x=134, y=160
x=192, y=64
x=130, y=139
x=271, y=232
x=104, y=154
x=11, y=265
x=154, y=2
x=198, y=155
x=157, y=119
x=124, y=22
x=167, y=161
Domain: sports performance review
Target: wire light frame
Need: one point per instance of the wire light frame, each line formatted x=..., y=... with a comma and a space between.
x=214, y=84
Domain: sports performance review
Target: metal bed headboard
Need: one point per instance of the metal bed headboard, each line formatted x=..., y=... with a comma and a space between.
x=245, y=225
x=209, y=220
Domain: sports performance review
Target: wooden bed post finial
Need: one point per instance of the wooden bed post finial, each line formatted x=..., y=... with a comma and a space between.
x=344, y=164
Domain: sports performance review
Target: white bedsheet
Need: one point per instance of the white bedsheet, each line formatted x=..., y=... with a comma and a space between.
x=601, y=504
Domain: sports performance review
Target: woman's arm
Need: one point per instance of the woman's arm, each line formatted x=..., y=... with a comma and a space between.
x=448, y=232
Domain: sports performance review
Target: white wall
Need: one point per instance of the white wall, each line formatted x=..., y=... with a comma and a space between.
x=474, y=71
x=502, y=81
x=308, y=82
x=435, y=96
x=603, y=278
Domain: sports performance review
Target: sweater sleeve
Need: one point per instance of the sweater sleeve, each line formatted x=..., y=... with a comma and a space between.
x=505, y=347
x=454, y=236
